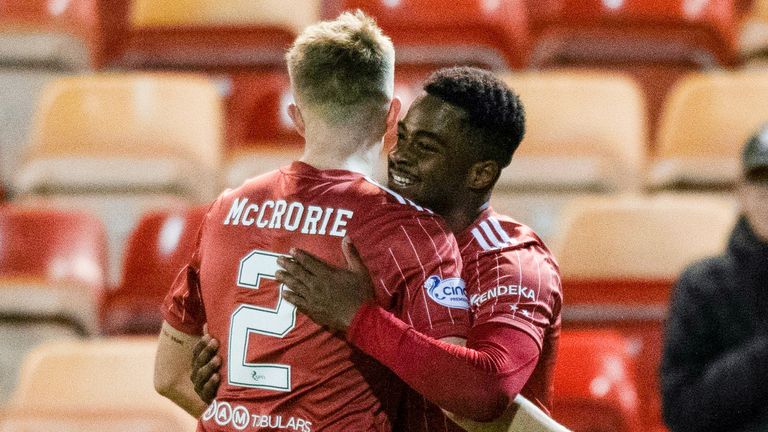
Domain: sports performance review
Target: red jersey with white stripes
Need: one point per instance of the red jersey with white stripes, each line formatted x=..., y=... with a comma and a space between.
x=281, y=371
x=512, y=279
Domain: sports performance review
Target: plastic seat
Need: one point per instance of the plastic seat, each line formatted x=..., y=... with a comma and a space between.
x=156, y=251
x=109, y=374
x=656, y=41
x=619, y=259
x=103, y=420
x=586, y=132
x=50, y=34
x=206, y=34
x=492, y=34
x=753, y=39
x=52, y=265
x=705, y=123
x=147, y=133
x=594, y=383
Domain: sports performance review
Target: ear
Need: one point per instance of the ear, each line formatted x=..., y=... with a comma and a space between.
x=393, y=113
x=298, y=121
x=483, y=174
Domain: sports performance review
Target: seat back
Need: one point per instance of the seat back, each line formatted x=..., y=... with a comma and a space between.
x=157, y=250
x=595, y=384
x=145, y=133
x=444, y=33
x=214, y=35
x=704, y=125
x=586, y=132
x=52, y=265
x=49, y=34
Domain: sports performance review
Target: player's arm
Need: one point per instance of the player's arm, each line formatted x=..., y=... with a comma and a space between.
x=521, y=416
x=477, y=382
x=173, y=367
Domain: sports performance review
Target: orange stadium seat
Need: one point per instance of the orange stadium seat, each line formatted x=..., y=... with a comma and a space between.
x=492, y=34
x=92, y=376
x=594, y=383
x=619, y=259
x=141, y=142
x=157, y=250
x=101, y=420
x=705, y=123
x=212, y=34
x=586, y=135
x=753, y=39
x=52, y=270
x=56, y=34
x=656, y=41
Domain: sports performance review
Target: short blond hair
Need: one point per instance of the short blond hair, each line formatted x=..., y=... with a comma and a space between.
x=343, y=69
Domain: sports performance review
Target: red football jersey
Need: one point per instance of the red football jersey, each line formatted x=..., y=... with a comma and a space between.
x=281, y=371
x=511, y=278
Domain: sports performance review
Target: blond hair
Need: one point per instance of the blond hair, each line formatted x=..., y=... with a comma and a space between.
x=343, y=69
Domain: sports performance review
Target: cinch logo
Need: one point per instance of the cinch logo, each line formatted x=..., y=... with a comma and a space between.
x=448, y=292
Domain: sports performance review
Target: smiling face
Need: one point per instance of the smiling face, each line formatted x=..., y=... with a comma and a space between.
x=432, y=158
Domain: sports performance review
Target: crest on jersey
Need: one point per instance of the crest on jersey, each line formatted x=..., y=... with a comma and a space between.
x=447, y=292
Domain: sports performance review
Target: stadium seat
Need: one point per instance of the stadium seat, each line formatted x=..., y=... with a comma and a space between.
x=156, y=251
x=491, y=34
x=656, y=41
x=594, y=383
x=753, y=39
x=212, y=35
x=585, y=132
x=52, y=269
x=619, y=259
x=60, y=35
x=705, y=123
x=91, y=376
x=135, y=133
x=101, y=420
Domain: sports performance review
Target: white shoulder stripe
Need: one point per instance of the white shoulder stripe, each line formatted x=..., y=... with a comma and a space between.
x=504, y=236
x=491, y=236
x=479, y=237
x=397, y=196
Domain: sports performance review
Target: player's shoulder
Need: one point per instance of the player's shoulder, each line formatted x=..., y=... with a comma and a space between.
x=382, y=200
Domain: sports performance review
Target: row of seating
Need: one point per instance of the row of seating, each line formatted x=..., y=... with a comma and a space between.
x=105, y=385
x=586, y=131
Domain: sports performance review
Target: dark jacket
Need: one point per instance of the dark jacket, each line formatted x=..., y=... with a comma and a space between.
x=714, y=372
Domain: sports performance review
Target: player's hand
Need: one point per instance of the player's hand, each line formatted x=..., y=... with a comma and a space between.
x=205, y=368
x=328, y=295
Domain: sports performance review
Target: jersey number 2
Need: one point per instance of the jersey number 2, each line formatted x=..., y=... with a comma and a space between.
x=248, y=319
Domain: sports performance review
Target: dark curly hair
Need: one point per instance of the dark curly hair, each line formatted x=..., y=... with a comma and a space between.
x=494, y=111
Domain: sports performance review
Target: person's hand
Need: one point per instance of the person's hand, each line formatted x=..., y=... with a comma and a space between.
x=205, y=368
x=328, y=295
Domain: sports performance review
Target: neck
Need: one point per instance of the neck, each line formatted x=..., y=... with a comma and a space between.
x=359, y=157
x=465, y=212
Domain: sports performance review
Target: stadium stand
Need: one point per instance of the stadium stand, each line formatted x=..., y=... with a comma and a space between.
x=594, y=383
x=216, y=35
x=704, y=123
x=619, y=259
x=656, y=41
x=52, y=269
x=142, y=141
x=491, y=34
x=110, y=375
x=586, y=135
x=753, y=38
x=159, y=247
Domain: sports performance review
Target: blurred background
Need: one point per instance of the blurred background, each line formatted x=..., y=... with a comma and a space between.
x=120, y=119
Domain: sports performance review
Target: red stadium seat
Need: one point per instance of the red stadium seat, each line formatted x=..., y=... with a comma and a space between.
x=594, y=383
x=156, y=251
x=492, y=34
x=656, y=41
x=54, y=34
x=619, y=259
x=212, y=34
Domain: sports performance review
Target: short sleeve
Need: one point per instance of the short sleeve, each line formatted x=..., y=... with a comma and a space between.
x=518, y=287
x=412, y=257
